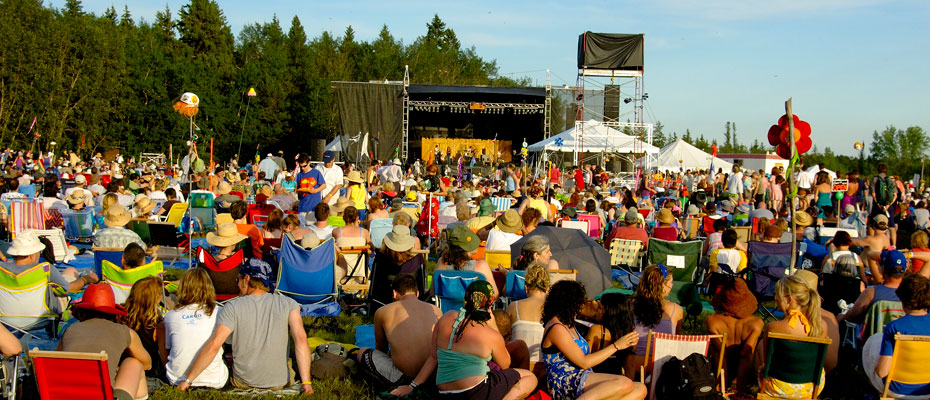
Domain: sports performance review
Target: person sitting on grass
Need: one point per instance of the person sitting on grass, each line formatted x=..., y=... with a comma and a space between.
x=256, y=325
x=405, y=324
x=187, y=327
x=97, y=330
x=144, y=317
x=734, y=305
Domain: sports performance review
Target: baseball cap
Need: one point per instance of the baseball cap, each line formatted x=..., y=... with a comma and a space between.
x=258, y=269
x=893, y=262
x=881, y=221
x=328, y=156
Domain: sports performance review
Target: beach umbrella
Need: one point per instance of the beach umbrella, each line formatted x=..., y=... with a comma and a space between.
x=574, y=249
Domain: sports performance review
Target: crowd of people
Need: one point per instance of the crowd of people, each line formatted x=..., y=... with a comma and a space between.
x=477, y=351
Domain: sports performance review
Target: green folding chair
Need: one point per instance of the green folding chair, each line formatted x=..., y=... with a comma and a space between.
x=794, y=359
x=681, y=259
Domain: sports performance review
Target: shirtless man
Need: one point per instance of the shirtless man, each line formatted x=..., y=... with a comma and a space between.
x=877, y=240
x=406, y=324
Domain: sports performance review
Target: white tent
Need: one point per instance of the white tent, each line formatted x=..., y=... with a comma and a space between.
x=597, y=138
x=681, y=154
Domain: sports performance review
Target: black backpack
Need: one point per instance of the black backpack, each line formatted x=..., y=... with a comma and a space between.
x=692, y=379
x=432, y=183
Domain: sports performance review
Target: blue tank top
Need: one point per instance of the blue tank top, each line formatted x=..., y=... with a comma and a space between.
x=883, y=292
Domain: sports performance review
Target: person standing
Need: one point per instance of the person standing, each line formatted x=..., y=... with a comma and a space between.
x=269, y=167
x=310, y=183
x=332, y=176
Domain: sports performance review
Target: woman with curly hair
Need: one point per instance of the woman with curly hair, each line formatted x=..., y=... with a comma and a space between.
x=144, y=317
x=568, y=357
x=535, y=201
x=376, y=210
x=651, y=311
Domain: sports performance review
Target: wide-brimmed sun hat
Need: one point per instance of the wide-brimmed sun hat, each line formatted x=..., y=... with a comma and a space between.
x=223, y=188
x=510, y=221
x=310, y=240
x=226, y=235
x=665, y=216
x=99, y=297
x=76, y=197
x=26, y=243
x=735, y=299
x=342, y=204
x=144, y=205
x=117, y=216
x=399, y=239
x=803, y=219
x=355, y=176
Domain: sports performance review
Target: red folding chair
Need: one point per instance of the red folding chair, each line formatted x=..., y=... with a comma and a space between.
x=223, y=273
x=72, y=375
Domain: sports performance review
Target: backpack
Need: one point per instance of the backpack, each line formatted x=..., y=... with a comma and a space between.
x=691, y=379
x=329, y=361
x=884, y=190
x=432, y=183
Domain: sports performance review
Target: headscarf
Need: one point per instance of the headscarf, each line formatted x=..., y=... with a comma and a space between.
x=479, y=296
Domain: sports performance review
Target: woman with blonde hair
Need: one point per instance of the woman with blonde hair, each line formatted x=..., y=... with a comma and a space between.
x=187, y=327
x=376, y=210
x=292, y=228
x=801, y=305
x=144, y=317
x=528, y=327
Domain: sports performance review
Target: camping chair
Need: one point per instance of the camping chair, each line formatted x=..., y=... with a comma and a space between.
x=114, y=256
x=594, y=225
x=176, y=214
x=59, y=246
x=24, y=298
x=681, y=259
x=121, y=280
x=661, y=347
x=71, y=375
x=497, y=259
x=224, y=274
x=768, y=262
x=835, y=287
x=141, y=227
x=626, y=253
x=514, y=287
x=880, y=313
x=308, y=276
x=10, y=377
x=449, y=287
x=26, y=215
x=742, y=233
x=383, y=272
x=908, y=362
x=201, y=203
x=378, y=228
x=259, y=220
x=79, y=226
x=28, y=190
x=256, y=210
x=579, y=225
x=356, y=279
x=502, y=204
x=164, y=235
x=692, y=227
x=827, y=233
x=794, y=359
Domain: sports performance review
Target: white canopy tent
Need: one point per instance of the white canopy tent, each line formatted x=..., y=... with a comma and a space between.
x=595, y=137
x=681, y=154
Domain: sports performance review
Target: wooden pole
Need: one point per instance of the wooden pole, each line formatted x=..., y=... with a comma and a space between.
x=792, y=182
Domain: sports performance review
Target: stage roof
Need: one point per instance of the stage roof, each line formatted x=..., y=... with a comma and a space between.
x=478, y=91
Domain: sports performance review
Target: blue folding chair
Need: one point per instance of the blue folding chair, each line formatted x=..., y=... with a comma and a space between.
x=308, y=276
x=28, y=190
x=449, y=287
x=768, y=262
x=112, y=255
x=79, y=226
x=515, y=285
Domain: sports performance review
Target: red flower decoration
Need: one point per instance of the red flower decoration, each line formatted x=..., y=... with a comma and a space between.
x=778, y=136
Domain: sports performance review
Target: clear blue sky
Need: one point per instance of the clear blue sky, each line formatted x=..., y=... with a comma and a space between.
x=852, y=66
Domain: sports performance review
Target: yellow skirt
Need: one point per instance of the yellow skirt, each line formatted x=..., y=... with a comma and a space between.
x=776, y=388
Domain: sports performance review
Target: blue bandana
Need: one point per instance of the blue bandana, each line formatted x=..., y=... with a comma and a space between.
x=258, y=269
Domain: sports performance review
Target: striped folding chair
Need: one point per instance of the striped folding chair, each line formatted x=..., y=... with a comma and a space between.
x=661, y=347
x=26, y=215
x=502, y=204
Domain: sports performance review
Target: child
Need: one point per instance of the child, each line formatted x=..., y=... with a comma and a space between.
x=732, y=259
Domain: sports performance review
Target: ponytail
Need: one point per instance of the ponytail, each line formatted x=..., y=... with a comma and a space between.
x=813, y=313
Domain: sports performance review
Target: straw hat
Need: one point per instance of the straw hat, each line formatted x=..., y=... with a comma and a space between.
x=354, y=176
x=144, y=205
x=224, y=218
x=226, y=235
x=117, y=216
x=25, y=244
x=76, y=197
x=310, y=240
x=665, y=216
x=803, y=219
x=510, y=221
x=223, y=188
x=266, y=190
x=99, y=297
x=399, y=239
x=517, y=193
x=341, y=204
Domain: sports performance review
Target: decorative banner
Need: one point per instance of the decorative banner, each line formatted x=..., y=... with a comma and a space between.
x=32, y=125
x=252, y=92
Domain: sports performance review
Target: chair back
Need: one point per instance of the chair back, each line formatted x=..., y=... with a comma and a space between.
x=515, y=285
x=909, y=362
x=444, y=220
x=626, y=252
x=206, y=216
x=594, y=224
x=28, y=190
x=259, y=220
x=497, y=259
x=79, y=225
x=176, y=214
x=502, y=204
x=121, y=280
x=768, y=262
x=141, y=228
x=834, y=287
x=383, y=272
x=742, y=233
x=880, y=313
x=26, y=215
x=71, y=375
x=201, y=199
x=661, y=347
x=795, y=359
x=692, y=227
x=827, y=233
x=579, y=225
x=114, y=256
x=556, y=275
x=163, y=234
x=59, y=245
x=449, y=287
x=681, y=258
x=307, y=276
x=707, y=224
x=378, y=228
x=223, y=273
x=23, y=296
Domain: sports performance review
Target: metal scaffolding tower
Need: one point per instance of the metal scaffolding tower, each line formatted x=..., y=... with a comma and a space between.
x=405, y=124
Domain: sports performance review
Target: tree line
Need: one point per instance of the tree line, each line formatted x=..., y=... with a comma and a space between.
x=109, y=81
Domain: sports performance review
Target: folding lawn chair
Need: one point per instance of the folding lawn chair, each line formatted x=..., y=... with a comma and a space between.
x=514, y=286
x=768, y=262
x=794, y=359
x=121, y=280
x=176, y=214
x=497, y=259
x=79, y=226
x=383, y=272
x=879, y=313
x=165, y=236
x=141, y=227
x=742, y=233
x=908, y=363
x=681, y=259
x=59, y=245
x=114, y=256
x=70, y=375
x=259, y=220
x=356, y=278
x=308, y=276
x=502, y=204
x=579, y=225
x=202, y=208
x=26, y=215
x=24, y=298
x=224, y=274
x=661, y=347
x=692, y=227
x=449, y=287
x=626, y=253
x=594, y=225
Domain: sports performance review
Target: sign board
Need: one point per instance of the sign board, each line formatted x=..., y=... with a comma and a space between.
x=840, y=185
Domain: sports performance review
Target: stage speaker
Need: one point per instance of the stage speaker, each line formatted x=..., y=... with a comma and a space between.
x=317, y=146
x=611, y=103
x=626, y=165
x=613, y=166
